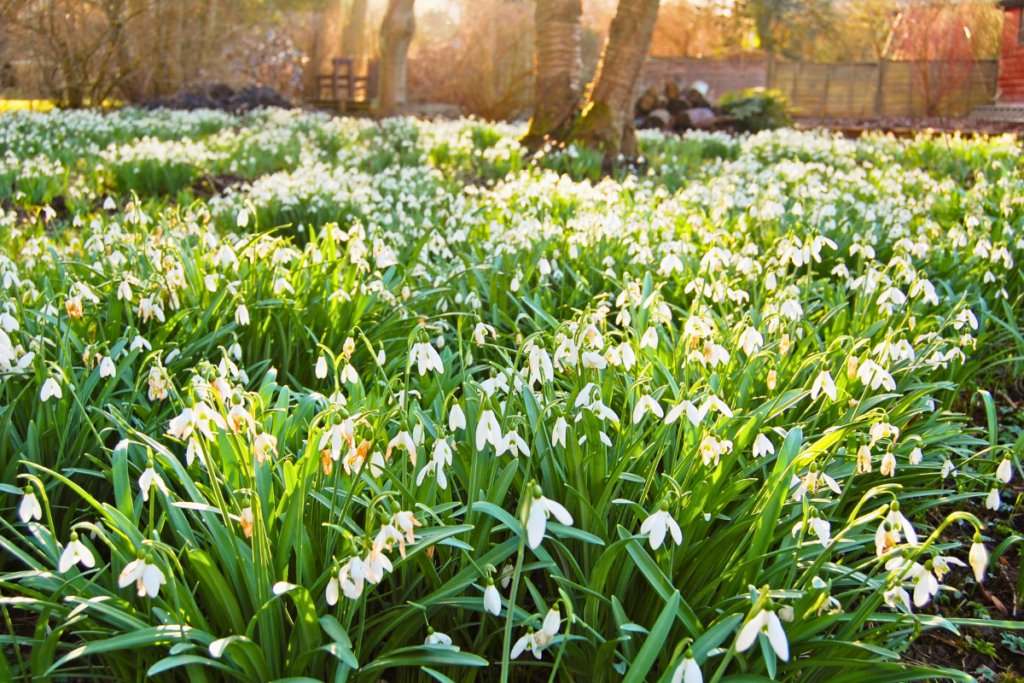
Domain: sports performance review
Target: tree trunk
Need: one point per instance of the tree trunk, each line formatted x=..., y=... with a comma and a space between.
x=352, y=31
x=607, y=121
x=557, y=84
x=395, y=35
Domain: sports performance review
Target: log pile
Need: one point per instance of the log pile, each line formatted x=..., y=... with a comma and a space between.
x=678, y=110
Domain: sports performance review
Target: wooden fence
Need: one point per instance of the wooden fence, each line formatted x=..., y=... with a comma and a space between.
x=888, y=89
x=845, y=90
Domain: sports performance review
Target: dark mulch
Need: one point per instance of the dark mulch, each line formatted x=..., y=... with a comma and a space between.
x=223, y=97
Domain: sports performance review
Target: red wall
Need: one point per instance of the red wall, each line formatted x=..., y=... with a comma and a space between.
x=1011, y=63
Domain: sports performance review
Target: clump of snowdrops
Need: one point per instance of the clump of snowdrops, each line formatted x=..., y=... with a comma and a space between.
x=364, y=417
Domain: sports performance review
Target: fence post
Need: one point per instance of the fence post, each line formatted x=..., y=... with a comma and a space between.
x=824, y=93
x=880, y=87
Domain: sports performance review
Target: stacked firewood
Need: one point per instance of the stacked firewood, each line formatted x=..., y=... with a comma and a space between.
x=677, y=110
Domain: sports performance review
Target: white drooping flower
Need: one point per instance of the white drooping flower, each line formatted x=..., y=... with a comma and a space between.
x=823, y=382
x=488, y=431
x=688, y=671
x=51, y=387
x=492, y=599
x=29, y=507
x=107, y=367
x=147, y=577
x=658, y=524
x=751, y=340
x=425, y=356
x=540, y=509
x=442, y=455
x=650, y=338
x=242, y=315
x=74, y=553
x=559, y=431
x=404, y=441
x=150, y=479
x=646, y=403
x=456, y=418
x=1004, y=473
x=992, y=501
x=767, y=622
x=693, y=413
x=763, y=446
x=978, y=558
x=321, y=367
x=437, y=638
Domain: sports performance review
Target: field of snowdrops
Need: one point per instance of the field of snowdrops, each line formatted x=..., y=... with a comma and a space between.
x=291, y=398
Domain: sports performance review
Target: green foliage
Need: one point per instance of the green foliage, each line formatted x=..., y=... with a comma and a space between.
x=755, y=109
x=306, y=359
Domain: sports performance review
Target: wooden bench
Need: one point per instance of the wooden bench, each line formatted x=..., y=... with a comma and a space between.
x=344, y=90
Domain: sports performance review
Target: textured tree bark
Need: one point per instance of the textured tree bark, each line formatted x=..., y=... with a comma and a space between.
x=557, y=86
x=352, y=31
x=607, y=121
x=395, y=35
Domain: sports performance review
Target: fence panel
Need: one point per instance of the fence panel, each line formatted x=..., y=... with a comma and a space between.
x=846, y=90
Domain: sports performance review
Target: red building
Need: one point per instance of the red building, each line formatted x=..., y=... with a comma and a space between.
x=1011, y=62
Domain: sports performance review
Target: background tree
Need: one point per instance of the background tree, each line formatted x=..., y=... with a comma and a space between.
x=607, y=120
x=395, y=36
x=558, y=76
x=352, y=32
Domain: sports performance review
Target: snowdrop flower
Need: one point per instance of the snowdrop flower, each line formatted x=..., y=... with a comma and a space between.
x=442, y=455
x=243, y=218
x=820, y=527
x=992, y=501
x=594, y=361
x=437, y=638
x=352, y=578
x=242, y=315
x=321, y=367
x=978, y=558
x=693, y=414
x=333, y=590
x=898, y=599
x=426, y=358
x=526, y=642
x=492, y=599
x=688, y=671
x=147, y=577
x=871, y=373
x=514, y=443
x=896, y=518
x=488, y=431
x=916, y=456
x=750, y=341
x=29, y=507
x=107, y=367
x=763, y=446
x=74, y=553
x=403, y=440
x=644, y=404
x=712, y=402
x=650, y=338
x=1005, y=470
x=658, y=524
x=823, y=382
x=456, y=418
x=481, y=331
x=948, y=468
x=540, y=509
x=150, y=479
x=888, y=467
x=51, y=387
x=540, y=366
x=925, y=584
x=559, y=431
x=766, y=622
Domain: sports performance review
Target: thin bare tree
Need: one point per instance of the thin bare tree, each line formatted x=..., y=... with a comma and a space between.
x=558, y=75
x=607, y=121
x=395, y=36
